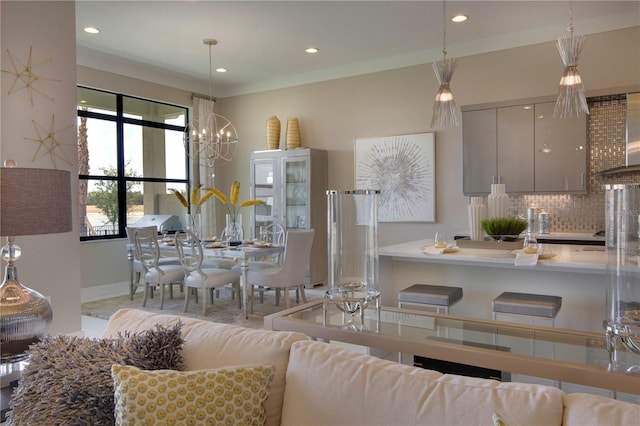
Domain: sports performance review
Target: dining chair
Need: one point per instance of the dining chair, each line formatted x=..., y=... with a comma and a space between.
x=274, y=233
x=137, y=269
x=291, y=273
x=155, y=274
x=196, y=277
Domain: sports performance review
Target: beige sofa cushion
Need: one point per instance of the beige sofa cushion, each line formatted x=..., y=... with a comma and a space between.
x=212, y=345
x=331, y=385
x=583, y=410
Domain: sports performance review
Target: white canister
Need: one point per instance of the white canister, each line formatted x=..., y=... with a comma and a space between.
x=498, y=201
x=477, y=212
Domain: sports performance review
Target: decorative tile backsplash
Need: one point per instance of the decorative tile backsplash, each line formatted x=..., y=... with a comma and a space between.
x=606, y=138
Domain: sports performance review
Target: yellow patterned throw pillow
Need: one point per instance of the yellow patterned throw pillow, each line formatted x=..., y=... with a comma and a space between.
x=223, y=396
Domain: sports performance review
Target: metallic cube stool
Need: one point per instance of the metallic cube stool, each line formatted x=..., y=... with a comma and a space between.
x=532, y=305
x=436, y=296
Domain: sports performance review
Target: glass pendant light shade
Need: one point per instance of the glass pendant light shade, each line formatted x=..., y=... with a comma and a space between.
x=571, y=101
x=444, y=107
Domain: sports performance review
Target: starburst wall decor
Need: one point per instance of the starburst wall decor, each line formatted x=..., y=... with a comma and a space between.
x=49, y=143
x=403, y=169
x=29, y=76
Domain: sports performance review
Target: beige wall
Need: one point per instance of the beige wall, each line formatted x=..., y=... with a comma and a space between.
x=334, y=113
x=50, y=264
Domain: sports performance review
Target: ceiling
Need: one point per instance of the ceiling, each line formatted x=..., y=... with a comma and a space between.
x=262, y=43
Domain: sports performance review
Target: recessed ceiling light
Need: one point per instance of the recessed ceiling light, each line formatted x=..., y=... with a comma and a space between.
x=91, y=30
x=221, y=70
x=459, y=18
x=311, y=50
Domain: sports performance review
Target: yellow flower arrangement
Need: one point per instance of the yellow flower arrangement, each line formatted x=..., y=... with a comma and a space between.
x=231, y=204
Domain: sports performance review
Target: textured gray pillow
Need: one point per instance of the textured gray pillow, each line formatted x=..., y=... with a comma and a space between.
x=68, y=379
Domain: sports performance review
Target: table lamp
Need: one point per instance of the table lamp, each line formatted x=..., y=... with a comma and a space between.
x=32, y=202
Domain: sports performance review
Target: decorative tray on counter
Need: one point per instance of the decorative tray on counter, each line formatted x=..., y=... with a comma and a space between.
x=489, y=243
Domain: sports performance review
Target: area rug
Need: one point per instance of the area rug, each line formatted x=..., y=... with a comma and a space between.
x=224, y=309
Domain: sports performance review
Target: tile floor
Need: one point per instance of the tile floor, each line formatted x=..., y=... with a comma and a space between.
x=92, y=326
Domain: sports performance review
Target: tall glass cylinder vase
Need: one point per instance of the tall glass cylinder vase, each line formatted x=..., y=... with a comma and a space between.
x=194, y=224
x=353, y=250
x=233, y=229
x=622, y=220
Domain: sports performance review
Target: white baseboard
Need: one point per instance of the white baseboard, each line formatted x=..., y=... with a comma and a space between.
x=89, y=294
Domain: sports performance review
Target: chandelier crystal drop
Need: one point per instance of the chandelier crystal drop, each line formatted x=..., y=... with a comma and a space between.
x=571, y=101
x=210, y=137
x=444, y=107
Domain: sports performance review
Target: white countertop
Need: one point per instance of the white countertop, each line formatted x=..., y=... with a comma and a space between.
x=568, y=258
x=576, y=236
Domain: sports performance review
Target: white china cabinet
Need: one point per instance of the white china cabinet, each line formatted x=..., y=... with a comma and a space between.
x=293, y=185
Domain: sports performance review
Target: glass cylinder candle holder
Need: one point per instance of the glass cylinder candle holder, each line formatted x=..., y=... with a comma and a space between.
x=353, y=250
x=622, y=224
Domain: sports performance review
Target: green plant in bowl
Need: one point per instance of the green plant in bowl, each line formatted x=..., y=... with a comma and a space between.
x=504, y=228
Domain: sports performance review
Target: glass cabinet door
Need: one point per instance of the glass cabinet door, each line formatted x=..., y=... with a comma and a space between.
x=296, y=192
x=262, y=188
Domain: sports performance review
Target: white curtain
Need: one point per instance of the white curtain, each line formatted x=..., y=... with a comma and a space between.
x=201, y=173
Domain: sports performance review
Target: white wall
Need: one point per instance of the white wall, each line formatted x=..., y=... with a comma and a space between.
x=50, y=264
x=334, y=113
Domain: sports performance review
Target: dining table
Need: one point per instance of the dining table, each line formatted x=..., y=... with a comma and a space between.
x=242, y=254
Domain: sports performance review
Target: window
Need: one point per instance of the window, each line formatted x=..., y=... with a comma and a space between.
x=130, y=156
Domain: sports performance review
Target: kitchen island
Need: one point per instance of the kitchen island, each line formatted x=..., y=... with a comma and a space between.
x=575, y=272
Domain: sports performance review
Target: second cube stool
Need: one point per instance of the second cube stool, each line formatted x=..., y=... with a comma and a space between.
x=532, y=305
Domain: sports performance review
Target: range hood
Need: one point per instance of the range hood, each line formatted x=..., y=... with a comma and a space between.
x=633, y=137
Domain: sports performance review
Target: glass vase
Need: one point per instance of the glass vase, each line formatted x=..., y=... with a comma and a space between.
x=622, y=224
x=233, y=233
x=353, y=250
x=194, y=224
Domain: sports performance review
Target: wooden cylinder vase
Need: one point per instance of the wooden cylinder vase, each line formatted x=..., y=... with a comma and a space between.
x=273, y=132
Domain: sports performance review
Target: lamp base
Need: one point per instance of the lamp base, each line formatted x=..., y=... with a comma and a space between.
x=25, y=318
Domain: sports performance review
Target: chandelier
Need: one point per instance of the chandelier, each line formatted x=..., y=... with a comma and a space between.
x=444, y=107
x=210, y=137
x=571, y=100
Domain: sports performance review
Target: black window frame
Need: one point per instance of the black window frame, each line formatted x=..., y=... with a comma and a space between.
x=120, y=120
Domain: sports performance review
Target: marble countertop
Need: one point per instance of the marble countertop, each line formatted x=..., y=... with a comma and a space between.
x=568, y=257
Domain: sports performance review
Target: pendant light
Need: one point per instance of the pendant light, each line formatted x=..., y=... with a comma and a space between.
x=444, y=107
x=210, y=137
x=571, y=100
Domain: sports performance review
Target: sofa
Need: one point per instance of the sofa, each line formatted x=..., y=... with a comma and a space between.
x=316, y=383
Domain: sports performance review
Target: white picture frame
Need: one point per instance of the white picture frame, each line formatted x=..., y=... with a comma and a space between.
x=403, y=169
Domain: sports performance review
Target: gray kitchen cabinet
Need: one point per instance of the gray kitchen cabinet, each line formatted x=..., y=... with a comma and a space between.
x=293, y=185
x=521, y=145
x=498, y=148
x=561, y=151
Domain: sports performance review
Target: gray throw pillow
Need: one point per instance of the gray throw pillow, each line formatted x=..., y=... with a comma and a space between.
x=68, y=379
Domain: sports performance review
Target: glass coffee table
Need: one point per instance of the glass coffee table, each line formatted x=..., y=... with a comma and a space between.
x=561, y=355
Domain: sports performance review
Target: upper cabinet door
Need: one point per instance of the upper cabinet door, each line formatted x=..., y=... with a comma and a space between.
x=479, y=151
x=561, y=151
x=515, y=148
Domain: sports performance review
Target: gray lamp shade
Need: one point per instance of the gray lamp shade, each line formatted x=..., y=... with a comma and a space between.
x=34, y=201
